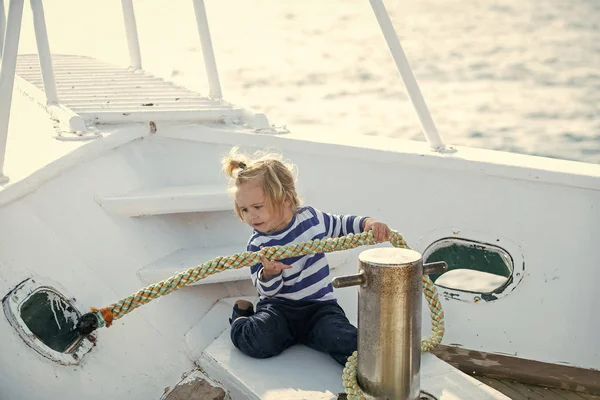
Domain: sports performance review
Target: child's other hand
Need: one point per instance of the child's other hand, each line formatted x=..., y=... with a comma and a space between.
x=381, y=232
x=272, y=268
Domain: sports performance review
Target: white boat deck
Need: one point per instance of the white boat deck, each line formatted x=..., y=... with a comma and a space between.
x=36, y=151
x=31, y=142
x=300, y=372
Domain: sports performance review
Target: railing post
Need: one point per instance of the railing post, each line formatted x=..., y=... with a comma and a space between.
x=207, y=51
x=7, y=73
x=389, y=321
x=2, y=25
x=135, y=57
x=41, y=37
x=391, y=38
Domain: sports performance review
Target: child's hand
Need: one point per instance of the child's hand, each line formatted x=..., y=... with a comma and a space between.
x=381, y=232
x=272, y=268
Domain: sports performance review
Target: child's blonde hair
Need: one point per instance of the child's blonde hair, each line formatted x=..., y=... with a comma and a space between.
x=269, y=170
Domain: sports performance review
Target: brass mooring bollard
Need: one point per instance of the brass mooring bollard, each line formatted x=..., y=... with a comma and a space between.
x=389, y=320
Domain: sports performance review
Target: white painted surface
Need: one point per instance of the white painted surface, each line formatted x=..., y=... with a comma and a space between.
x=211, y=326
x=133, y=42
x=300, y=371
x=408, y=78
x=175, y=114
x=184, y=259
x=2, y=25
x=96, y=257
x=43, y=46
x=547, y=209
x=7, y=73
x=528, y=202
x=447, y=383
x=34, y=135
x=169, y=200
x=51, y=226
x=214, y=85
x=68, y=120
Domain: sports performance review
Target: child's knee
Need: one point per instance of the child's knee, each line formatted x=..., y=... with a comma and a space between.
x=255, y=344
x=251, y=348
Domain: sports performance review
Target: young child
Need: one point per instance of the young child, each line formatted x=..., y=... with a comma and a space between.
x=296, y=300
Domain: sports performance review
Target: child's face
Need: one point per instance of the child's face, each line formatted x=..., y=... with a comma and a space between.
x=256, y=210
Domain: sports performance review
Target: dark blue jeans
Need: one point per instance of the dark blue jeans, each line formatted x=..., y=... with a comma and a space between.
x=279, y=324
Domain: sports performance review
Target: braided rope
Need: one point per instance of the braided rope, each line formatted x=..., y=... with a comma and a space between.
x=117, y=310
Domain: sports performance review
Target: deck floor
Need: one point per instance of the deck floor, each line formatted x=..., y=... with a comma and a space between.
x=519, y=391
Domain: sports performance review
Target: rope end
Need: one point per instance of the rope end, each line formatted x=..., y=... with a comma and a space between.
x=93, y=320
x=106, y=314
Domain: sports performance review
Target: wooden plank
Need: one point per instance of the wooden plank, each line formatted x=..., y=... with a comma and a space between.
x=518, y=391
x=533, y=393
x=521, y=370
x=560, y=394
x=589, y=396
x=552, y=394
x=568, y=395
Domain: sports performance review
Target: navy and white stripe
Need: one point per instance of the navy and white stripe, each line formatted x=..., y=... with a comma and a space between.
x=308, y=279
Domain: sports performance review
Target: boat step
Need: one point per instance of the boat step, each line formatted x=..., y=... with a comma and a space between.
x=168, y=200
x=211, y=326
x=248, y=378
x=88, y=78
x=184, y=259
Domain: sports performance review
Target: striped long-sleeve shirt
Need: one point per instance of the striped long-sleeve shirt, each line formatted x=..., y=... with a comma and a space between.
x=308, y=279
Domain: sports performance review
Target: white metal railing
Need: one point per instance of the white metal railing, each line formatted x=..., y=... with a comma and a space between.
x=41, y=38
x=135, y=57
x=391, y=38
x=2, y=25
x=9, y=63
x=11, y=44
x=7, y=73
x=208, y=54
x=10, y=31
x=214, y=85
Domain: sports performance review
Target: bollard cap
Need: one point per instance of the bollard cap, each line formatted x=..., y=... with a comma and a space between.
x=389, y=257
